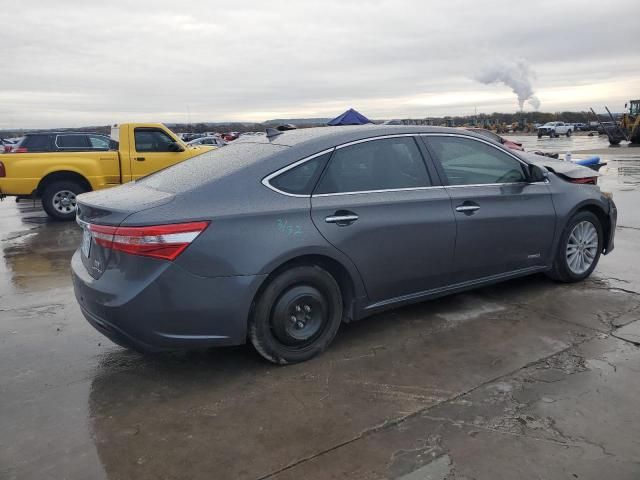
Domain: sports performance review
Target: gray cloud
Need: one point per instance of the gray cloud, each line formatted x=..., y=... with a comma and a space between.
x=76, y=63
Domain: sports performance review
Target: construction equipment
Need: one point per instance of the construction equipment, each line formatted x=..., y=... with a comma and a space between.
x=628, y=128
x=631, y=122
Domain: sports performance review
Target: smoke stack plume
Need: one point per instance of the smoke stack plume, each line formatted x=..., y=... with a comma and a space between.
x=517, y=75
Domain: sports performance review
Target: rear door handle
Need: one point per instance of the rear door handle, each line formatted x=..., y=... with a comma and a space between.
x=140, y=159
x=467, y=208
x=342, y=218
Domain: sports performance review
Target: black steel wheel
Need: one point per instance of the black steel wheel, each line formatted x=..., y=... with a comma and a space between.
x=297, y=315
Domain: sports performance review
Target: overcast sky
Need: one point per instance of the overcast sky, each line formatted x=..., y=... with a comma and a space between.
x=75, y=63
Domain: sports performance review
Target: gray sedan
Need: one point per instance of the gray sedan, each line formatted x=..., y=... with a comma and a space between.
x=278, y=239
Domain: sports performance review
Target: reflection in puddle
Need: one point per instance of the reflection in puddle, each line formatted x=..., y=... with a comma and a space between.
x=35, y=252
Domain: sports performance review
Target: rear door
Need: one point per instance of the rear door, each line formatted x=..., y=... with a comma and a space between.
x=151, y=151
x=504, y=222
x=378, y=203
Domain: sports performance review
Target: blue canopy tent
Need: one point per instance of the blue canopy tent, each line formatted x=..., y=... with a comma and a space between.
x=350, y=117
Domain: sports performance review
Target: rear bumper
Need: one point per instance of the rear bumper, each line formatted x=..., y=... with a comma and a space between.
x=174, y=310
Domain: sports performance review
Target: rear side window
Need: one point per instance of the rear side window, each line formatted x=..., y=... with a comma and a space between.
x=72, y=141
x=151, y=140
x=301, y=179
x=471, y=162
x=385, y=164
x=37, y=143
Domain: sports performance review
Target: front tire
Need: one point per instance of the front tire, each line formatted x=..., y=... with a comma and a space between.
x=579, y=248
x=59, y=199
x=297, y=315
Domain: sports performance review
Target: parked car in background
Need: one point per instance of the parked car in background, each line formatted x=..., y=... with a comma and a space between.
x=6, y=145
x=63, y=142
x=58, y=176
x=497, y=138
x=230, y=136
x=281, y=239
x=213, y=141
x=555, y=129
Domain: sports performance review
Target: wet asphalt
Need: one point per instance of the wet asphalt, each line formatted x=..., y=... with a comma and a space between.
x=527, y=379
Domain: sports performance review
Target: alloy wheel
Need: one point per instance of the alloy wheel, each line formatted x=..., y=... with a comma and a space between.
x=582, y=247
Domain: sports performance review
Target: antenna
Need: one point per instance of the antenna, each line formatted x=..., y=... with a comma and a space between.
x=272, y=132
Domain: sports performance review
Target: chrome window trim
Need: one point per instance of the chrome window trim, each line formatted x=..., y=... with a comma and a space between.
x=497, y=184
x=266, y=183
x=408, y=189
x=381, y=137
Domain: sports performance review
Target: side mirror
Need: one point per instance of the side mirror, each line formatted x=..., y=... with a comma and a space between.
x=537, y=174
x=175, y=147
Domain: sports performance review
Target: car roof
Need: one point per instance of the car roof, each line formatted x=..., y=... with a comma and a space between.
x=319, y=138
x=64, y=133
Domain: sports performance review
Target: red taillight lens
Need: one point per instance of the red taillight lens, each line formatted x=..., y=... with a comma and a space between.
x=158, y=241
x=19, y=150
x=3, y=172
x=585, y=181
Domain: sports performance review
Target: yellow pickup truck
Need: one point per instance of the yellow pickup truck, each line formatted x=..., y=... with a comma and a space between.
x=57, y=177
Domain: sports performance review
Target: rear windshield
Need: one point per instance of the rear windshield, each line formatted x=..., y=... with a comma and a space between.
x=36, y=142
x=209, y=166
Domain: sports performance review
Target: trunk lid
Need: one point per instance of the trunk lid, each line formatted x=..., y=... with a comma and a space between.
x=111, y=207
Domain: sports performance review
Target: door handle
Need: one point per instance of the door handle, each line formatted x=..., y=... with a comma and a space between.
x=467, y=208
x=140, y=159
x=342, y=218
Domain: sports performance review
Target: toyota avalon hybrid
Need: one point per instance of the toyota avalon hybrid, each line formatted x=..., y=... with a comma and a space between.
x=278, y=239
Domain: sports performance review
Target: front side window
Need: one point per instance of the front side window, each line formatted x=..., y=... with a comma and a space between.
x=471, y=162
x=300, y=180
x=151, y=140
x=384, y=164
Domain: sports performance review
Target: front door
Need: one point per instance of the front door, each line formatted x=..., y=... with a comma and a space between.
x=504, y=222
x=151, y=151
x=376, y=202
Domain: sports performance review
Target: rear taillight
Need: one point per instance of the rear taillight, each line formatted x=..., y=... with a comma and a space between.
x=158, y=241
x=19, y=150
x=585, y=181
x=3, y=172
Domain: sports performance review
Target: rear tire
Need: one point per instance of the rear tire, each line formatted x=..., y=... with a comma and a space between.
x=568, y=133
x=297, y=315
x=579, y=248
x=59, y=199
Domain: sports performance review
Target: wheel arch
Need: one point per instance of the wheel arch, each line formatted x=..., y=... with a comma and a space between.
x=599, y=212
x=345, y=279
x=59, y=176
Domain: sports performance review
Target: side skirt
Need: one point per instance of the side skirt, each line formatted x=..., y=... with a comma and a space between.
x=448, y=290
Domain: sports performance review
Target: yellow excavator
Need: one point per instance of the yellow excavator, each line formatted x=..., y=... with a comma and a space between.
x=628, y=128
x=631, y=122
